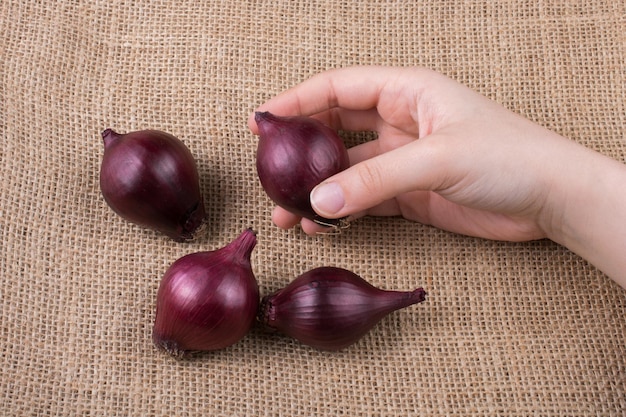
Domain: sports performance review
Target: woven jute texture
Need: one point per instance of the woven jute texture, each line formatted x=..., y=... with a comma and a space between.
x=508, y=329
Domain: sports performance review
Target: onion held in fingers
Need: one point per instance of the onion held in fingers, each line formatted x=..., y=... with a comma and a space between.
x=331, y=308
x=294, y=155
x=207, y=300
x=150, y=178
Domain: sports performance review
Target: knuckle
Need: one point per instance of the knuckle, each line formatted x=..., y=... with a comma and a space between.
x=371, y=178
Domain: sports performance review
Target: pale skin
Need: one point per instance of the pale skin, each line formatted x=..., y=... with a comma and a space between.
x=449, y=157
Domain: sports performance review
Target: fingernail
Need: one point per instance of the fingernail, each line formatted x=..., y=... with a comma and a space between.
x=327, y=198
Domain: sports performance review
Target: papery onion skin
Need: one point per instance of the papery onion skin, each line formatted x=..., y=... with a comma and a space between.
x=295, y=154
x=150, y=178
x=207, y=300
x=331, y=308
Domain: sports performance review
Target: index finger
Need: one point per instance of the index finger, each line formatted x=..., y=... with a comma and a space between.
x=353, y=88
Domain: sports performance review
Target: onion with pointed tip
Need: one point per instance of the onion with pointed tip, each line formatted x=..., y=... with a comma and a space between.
x=331, y=308
x=294, y=155
x=150, y=178
x=207, y=300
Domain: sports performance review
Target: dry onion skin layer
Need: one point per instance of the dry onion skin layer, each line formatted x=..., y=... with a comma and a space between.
x=295, y=154
x=207, y=300
x=150, y=178
x=331, y=308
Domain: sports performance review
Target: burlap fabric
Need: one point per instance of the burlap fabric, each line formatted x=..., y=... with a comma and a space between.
x=508, y=329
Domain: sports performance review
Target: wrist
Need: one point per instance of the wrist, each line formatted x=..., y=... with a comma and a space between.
x=586, y=210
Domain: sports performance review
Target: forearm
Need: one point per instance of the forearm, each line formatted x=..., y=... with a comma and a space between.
x=588, y=211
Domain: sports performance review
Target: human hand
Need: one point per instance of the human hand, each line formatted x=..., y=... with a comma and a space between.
x=445, y=155
x=449, y=157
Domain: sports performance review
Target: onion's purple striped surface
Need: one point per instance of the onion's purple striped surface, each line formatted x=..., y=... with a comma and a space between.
x=294, y=155
x=150, y=178
x=207, y=300
x=331, y=308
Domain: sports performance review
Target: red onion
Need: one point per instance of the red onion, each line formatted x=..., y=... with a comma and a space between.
x=150, y=178
x=331, y=308
x=294, y=155
x=207, y=300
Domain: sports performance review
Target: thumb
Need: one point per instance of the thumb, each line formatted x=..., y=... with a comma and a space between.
x=378, y=179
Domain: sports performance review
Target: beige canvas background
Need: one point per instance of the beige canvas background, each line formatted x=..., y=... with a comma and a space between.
x=508, y=329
